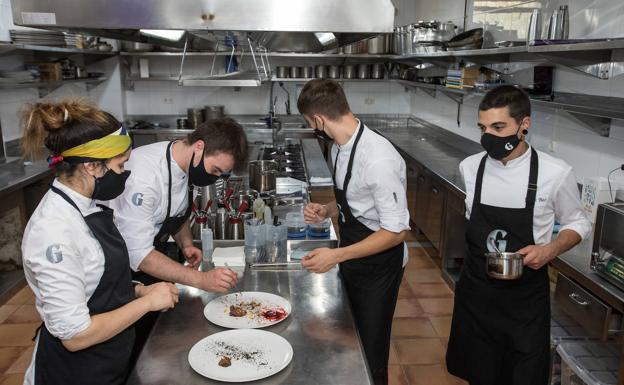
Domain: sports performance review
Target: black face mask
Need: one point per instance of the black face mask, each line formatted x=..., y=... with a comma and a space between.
x=198, y=176
x=321, y=134
x=499, y=147
x=110, y=185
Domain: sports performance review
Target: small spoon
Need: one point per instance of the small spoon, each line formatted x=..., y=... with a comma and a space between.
x=493, y=243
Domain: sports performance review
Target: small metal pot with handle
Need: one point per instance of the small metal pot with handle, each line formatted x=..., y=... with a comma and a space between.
x=507, y=266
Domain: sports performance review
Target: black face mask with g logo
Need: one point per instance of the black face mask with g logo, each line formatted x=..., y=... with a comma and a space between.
x=198, y=175
x=110, y=185
x=499, y=147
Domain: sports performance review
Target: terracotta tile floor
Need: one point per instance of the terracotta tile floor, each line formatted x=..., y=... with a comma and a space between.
x=420, y=330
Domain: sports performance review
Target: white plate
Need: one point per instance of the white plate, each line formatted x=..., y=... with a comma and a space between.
x=217, y=311
x=254, y=354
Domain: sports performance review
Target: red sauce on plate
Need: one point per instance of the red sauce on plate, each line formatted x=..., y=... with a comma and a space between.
x=274, y=314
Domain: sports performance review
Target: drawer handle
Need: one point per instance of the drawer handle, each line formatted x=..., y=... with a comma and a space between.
x=435, y=190
x=577, y=298
x=421, y=178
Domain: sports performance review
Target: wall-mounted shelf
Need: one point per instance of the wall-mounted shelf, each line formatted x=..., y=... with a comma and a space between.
x=7, y=47
x=245, y=79
x=47, y=87
x=594, y=110
x=303, y=80
x=270, y=54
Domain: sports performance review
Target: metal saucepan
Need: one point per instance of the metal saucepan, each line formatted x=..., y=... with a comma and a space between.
x=334, y=72
x=262, y=175
x=349, y=71
x=507, y=266
x=214, y=112
x=321, y=71
x=195, y=117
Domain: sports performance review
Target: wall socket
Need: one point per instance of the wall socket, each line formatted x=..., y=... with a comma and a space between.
x=168, y=100
x=552, y=146
x=369, y=101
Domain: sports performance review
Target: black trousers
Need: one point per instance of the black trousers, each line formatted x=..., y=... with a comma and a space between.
x=373, y=287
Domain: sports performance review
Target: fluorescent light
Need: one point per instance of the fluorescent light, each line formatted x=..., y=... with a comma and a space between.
x=167, y=34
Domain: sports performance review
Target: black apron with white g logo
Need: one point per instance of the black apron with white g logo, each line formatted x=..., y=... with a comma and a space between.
x=106, y=363
x=372, y=283
x=500, y=329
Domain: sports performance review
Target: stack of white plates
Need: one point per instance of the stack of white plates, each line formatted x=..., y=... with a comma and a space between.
x=17, y=76
x=33, y=37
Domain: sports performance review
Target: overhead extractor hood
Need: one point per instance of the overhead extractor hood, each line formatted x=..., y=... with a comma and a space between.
x=278, y=25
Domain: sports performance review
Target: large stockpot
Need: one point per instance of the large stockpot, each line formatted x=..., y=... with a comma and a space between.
x=281, y=72
x=295, y=72
x=506, y=266
x=262, y=175
x=334, y=72
x=307, y=72
x=363, y=71
x=378, y=70
x=377, y=45
x=321, y=71
x=214, y=112
x=195, y=117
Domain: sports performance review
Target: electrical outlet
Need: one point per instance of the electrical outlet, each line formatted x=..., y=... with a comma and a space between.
x=168, y=100
x=552, y=146
x=369, y=101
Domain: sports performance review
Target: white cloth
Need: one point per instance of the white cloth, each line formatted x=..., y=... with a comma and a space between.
x=63, y=264
x=558, y=197
x=142, y=208
x=377, y=189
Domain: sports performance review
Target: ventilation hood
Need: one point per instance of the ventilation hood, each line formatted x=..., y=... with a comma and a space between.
x=278, y=25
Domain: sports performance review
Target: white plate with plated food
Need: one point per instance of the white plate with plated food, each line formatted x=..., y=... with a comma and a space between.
x=240, y=355
x=247, y=310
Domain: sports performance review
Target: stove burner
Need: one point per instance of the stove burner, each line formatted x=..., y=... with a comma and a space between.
x=289, y=159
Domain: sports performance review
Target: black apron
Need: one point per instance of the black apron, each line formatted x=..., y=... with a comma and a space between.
x=372, y=283
x=500, y=330
x=106, y=363
x=170, y=226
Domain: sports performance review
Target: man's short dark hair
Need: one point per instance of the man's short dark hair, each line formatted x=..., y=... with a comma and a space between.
x=325, y=97
x=222, y=135
x=508, y=96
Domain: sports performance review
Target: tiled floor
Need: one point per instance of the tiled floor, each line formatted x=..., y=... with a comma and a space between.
x=422, y=323
x=420, y=330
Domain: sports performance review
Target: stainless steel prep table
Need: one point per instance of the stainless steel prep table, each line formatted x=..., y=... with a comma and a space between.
x=321, y=330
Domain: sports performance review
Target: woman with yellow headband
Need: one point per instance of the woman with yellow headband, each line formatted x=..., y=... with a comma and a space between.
x=75, y=260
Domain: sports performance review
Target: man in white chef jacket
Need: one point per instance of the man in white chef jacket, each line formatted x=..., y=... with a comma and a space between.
x=514, y=193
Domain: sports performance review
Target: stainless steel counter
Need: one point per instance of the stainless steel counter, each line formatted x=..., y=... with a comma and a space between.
x=437, y=149
x=15, y=175
x=318, y=172
x=320, y=329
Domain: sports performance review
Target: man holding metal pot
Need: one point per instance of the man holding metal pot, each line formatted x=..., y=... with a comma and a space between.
x=514, y=194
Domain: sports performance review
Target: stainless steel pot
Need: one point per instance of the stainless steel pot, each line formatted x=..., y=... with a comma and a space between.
x=281, y=72
x=295, y=72
x=334, y=72
x=262, y=175
x=321, y=71
x=235, y=229
x=363, y=71
x=377, y=45
x=134, y=46
x=378, y=70
x=307, y=72
x=349, y=71
x=214, y=112
x=507, y=266
x=195, y=117
x=182, y=123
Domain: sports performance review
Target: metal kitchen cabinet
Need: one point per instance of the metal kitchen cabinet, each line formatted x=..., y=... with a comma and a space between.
x=413, y=171
x=453, y=246
x=436, y=200
x=423, y=186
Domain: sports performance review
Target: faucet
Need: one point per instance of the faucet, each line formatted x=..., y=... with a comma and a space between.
x=287, y=102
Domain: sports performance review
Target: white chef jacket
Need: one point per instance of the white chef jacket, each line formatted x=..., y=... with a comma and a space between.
x=557, y=197
x=377, y=189
x=142, y=208
x=63, y=264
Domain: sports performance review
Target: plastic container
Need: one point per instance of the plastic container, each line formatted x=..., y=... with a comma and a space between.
x=276, y=245
x=255, y=240
x=207, y=244
x=590, y=363
x=296, y=225
x=320, y=230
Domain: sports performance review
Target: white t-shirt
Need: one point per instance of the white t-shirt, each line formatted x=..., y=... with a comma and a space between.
x=377, y=189
x=557, y=198
x=142, y=208
x=63, y=264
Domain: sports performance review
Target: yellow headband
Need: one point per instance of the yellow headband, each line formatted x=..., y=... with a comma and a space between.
x=107, y=147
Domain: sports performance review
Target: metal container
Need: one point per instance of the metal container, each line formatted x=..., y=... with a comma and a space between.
x=295, y=72
x=564, y=28
x=363, y=71
x=195, y=117
x=307, y=72
x=507, y=266
x=206, y=194
x=321, y=71
x=133, y=46
x=349, y=71
x=263, y=175
x=182, y=123
x=408, y=39
x=214, y=112
x=235, y=229
x=377, y=45
x=220, y=224
x=396, y=41
x=535, y=26
x=248, y=196
x=554, y=30
x=378, y=70
x=334, y=72
x=282, y=72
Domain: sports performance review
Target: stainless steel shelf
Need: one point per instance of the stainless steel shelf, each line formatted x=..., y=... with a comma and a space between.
x=270, y=54
x=51, y=85
x=303, y=80
x=7, y=47
x=248, y=79
x=606, y=45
